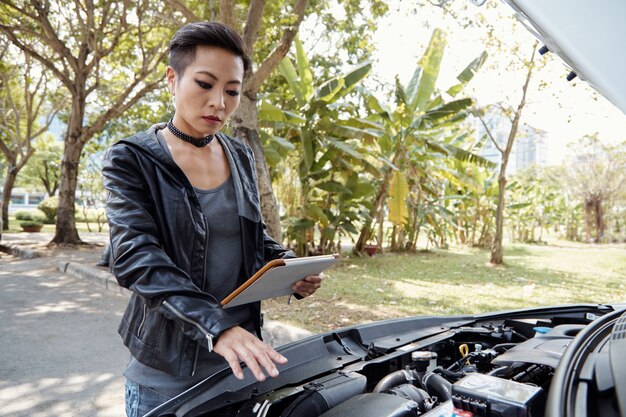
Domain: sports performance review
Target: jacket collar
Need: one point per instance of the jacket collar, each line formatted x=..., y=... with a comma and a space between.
x=247, y=203
x=241, y=167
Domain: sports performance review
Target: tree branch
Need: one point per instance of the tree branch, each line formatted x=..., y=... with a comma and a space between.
x=64, y=78
x=25, y=158
x=121, y=104
x=227, y=13
x=115, y=111
x=19, y=10
x=5, y=149
x=120, y=28
x=180, y=7
x=520, y=107
x=489, y=133
x=505, y=111
x=52, y=37
x=253, y=24
x=254, y=82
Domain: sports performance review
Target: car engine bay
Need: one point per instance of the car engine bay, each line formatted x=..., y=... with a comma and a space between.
x=486, y=367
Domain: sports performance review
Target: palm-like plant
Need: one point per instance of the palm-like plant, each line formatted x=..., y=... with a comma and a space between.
x=331, y=155
x=422, y=136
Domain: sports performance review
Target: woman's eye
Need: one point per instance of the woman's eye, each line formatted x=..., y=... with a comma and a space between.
x=204, y=85
x=233, y=93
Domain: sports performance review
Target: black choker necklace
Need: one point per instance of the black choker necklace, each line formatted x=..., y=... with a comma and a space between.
x=197, y=142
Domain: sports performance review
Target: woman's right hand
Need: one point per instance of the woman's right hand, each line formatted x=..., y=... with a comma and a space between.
x=238, y=345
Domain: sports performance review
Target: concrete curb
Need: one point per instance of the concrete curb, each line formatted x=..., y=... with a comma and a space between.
x=274, y=332
x=20, y=252
x=98, y=276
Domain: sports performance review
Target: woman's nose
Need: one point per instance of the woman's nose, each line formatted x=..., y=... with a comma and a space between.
x=217, y=100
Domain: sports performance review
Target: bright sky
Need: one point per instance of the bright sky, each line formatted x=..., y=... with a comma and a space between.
x=566, y=110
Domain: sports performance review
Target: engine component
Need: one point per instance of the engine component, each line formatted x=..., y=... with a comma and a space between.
x=543, y=349
x=396, y=378
x=488, y=396
x=325, y=393
x=437, y=385
x=424, y=360
x=411, y=392
x=375, y=405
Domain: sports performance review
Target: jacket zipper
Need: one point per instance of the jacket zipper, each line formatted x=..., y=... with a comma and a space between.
x=143, y=320
x=210, y=342
x=209, y=336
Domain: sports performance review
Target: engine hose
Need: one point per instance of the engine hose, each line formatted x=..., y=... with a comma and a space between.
x=396, y=378
x=450, y=374
x=499, y=371
x=438, y=386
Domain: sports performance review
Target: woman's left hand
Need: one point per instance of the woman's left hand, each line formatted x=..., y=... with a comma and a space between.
x=308, y=285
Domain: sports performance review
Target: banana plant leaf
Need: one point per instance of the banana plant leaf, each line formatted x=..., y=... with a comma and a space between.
x=398, y=193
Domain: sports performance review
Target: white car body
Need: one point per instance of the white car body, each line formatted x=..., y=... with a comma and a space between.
x=590, y=37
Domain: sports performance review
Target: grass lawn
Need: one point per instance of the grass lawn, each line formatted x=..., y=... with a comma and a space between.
x=14, y=227
x=458, y=281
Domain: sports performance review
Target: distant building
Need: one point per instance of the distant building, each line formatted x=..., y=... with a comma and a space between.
x=24, y=200
x=530, y=146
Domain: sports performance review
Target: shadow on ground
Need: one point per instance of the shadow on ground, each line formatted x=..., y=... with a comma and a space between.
x=60, y=354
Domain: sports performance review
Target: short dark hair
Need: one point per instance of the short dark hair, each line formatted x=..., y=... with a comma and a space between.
x=184, y=43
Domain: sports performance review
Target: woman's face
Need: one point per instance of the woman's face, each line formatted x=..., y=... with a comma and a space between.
x=208, y=92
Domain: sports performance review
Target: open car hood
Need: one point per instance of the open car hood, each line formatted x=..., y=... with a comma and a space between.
x=590, y=37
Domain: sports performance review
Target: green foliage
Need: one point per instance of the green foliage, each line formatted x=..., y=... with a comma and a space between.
x=104, y=57
x=90, y=215
x=322, y=130
x=31, y=223
x=49, y=207
x=595, y=180
x=43, y=169
x=91, y=194
x=30, y=215
x=425, y=142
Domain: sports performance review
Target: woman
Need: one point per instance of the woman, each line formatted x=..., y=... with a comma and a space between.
x=186, y=229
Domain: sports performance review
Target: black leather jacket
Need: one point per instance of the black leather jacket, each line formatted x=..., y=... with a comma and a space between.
x=159, y=237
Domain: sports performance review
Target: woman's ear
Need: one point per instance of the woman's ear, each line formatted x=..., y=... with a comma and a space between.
x=170, y=75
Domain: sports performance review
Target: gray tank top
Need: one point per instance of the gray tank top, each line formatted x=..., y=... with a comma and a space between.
x=222, y=266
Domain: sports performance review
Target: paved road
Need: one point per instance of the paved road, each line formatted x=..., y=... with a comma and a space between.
x=60, y=354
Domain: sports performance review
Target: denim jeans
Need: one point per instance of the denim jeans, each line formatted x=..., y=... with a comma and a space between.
x=140, y=400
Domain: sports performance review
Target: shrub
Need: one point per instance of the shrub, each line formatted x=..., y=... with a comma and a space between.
x=35, y=215
x=31, y=223
x=49, y=207
x=24, y=215
x=90, y=215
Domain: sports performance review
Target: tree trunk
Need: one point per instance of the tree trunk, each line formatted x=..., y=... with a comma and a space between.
x=66, y=233
x=366, y=229
x=599, y=219
x=9, y=182
x=381, y=225
x=50, y=184
x=245, y=127
x=588, y=219
x=472, y=240
x=496, y=249
x=393, y=246
x=497, y=253
x=13, y=168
